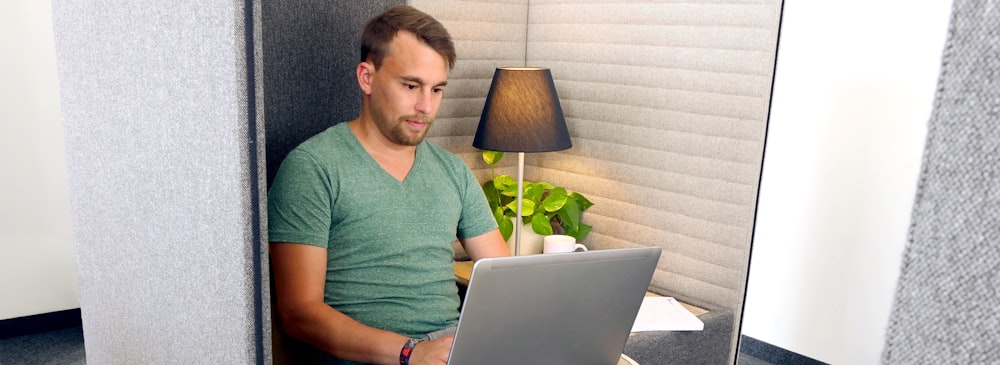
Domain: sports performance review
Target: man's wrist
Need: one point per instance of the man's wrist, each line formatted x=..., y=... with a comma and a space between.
x=407, y=351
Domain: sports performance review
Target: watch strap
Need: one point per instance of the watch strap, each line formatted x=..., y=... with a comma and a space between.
x=407, y=350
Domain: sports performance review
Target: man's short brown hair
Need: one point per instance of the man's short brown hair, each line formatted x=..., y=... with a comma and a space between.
x=380, y=31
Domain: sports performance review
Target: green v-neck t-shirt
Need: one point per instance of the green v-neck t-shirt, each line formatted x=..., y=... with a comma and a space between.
x=389, y=242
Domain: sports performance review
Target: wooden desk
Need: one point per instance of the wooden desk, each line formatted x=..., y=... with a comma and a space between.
x=463, y=270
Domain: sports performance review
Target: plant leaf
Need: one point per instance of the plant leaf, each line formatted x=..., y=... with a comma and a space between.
x=580, y=233
x=555, y=201
x=547, y=186
x=533, y=192
x=527, y=207
x=504, y=183
x=491, y=193
x=506, y=227
x=570, y=215
x=492, y=157
x=541, y=225
x=498, y=213
x=582, y=201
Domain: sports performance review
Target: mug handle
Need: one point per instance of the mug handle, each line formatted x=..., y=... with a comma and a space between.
x=580, y=247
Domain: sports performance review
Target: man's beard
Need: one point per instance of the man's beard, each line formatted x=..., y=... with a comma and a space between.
x=399, y=133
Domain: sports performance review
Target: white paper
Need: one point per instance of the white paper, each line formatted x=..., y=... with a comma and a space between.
x=665, y=314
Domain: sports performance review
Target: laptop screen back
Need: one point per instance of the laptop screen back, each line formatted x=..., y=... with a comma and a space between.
x=572, y=308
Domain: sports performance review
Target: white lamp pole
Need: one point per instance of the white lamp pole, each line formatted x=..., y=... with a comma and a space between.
x=520, y=200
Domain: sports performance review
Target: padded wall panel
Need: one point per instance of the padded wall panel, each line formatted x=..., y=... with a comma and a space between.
x=164, y=145
x=947, y=303
x=311, y=51
x=667, y=104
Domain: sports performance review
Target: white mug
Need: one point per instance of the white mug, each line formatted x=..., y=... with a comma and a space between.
x=558, y=243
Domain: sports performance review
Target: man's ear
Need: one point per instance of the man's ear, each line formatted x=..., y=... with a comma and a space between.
x=365, y=71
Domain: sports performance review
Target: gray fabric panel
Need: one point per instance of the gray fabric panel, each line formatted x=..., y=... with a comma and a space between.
x=667, y=104
x=947, y=305
x=311, y=50
x=163, y=144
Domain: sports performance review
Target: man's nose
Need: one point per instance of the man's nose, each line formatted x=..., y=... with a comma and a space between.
x=425, y=102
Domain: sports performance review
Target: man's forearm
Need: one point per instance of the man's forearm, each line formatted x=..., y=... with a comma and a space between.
x=341, y=336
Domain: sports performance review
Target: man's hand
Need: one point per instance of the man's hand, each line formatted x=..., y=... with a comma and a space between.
x=432, y=352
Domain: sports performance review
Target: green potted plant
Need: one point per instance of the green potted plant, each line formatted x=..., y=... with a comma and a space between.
x=548, y=208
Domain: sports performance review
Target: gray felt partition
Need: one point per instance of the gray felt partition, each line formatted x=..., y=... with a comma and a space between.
x=311, y=49
x=947, y=305
x=164, y=139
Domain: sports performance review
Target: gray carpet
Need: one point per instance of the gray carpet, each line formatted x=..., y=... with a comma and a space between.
x=63, y=347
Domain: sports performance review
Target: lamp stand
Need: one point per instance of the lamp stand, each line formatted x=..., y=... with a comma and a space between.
x=520, y=199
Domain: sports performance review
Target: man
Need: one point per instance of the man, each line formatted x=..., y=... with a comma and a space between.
x=362, y=215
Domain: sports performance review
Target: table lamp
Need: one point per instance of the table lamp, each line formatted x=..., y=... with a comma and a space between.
x=522, y=114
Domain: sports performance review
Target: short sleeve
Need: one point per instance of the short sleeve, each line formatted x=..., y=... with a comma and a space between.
x=476, y=217
x=300, y=200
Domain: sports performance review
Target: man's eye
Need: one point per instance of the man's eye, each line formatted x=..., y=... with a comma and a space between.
x=410, y=86
x=439, y=90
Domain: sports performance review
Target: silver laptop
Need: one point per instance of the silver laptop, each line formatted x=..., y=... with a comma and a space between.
x=569, y=308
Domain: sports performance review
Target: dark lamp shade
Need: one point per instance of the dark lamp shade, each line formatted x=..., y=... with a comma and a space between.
x=522, y=113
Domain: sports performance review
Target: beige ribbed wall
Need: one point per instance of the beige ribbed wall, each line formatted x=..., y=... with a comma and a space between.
x=667, y=106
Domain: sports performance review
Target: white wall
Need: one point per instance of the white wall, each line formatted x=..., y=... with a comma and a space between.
x=854, y=88
x=37, y=261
